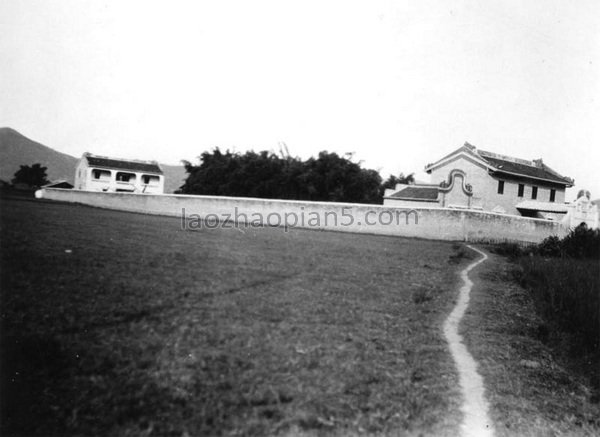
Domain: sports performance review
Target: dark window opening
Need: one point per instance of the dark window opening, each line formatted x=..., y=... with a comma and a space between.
x=552, y=195
x=150, y=179
x=534, y=193
x=101, y=174
x=529, y=213
x=521, y=190
x=125, y=177
x=500, y=187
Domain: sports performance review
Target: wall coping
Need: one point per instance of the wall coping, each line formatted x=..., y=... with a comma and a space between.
x=301, y=202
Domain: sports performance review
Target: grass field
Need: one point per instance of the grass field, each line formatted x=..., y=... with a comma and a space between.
x=122, y=324
x=535, y=384
x=567, y=292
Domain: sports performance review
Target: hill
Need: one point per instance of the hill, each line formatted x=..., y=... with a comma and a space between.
x=174, y=177
x=16, y=150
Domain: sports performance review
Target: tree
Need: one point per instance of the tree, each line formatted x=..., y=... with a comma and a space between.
x=34, y=176
x=333, y=178
x=400, y=179
x=329, y=177
x=393, y=180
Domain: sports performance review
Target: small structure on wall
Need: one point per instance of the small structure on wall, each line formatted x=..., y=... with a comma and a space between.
x=583, y=210
x=100, y=173
x=454, y=192
x=469, y=178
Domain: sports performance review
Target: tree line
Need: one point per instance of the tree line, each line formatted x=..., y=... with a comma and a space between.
x=328, y=177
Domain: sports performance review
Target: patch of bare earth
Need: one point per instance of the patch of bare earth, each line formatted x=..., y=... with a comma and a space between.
x=123, y=324
x=530, y=385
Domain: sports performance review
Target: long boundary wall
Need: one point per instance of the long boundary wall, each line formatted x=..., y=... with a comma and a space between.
x=428, y=223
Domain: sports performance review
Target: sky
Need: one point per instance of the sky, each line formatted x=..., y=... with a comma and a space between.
x=399, y=84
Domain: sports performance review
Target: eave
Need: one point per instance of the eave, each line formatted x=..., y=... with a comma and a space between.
x=495, y=170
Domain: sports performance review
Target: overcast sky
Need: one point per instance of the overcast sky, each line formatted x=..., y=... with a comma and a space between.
x=398, y=83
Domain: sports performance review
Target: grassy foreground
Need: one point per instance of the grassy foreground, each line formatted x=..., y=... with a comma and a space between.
x=122, y=324
x=563, y=275
x=567, y=293
x=537, y=383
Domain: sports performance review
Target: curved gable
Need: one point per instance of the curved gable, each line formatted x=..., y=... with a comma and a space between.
x=453, y=158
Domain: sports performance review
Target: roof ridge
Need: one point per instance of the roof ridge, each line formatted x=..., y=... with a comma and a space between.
x=507, y=164
x=139, y=161
x=122, y=164
x=469, y=148
x=514, y=159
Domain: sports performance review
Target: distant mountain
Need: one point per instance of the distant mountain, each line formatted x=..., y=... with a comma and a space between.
x=174, y=177
x=17, y=150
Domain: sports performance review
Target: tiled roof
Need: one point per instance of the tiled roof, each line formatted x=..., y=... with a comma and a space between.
x=58, y=184
x=508, y=164
x=121, y=164
x=542, y=172
x=417, y=193
x=535, y=205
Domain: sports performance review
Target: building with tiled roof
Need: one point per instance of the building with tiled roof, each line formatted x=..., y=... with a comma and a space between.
x=417, y=193
x=124, y=164
x=100, y=173
x=478, y=179
x=61, y=183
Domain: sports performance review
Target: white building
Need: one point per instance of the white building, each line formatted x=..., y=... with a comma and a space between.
x=476, y=179
x=99, y=173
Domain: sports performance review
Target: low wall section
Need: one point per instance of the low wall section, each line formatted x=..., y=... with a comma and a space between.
x=429, y=223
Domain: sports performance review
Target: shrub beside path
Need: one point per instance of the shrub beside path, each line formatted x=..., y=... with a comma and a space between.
x=530, y=386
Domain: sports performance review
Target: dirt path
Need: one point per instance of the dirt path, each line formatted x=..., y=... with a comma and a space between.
x=476, y=421
x=531, y=387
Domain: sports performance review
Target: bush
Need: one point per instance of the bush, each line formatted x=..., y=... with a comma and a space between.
x=582, y=242
x=564, y=278
x=510, y=250
x=32, y=176
x=550, y=247
x=568, y=292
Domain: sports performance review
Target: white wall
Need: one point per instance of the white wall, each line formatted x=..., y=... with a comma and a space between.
x=110, y=183
x=433, y=223
x=80, y=175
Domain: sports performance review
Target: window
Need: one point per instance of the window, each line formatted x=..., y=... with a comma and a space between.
x=500, y=187
x=125, y=177
x=150, y=179
x=552, y=195
x=534, y=193
x=521, y=190
x=101, y=175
